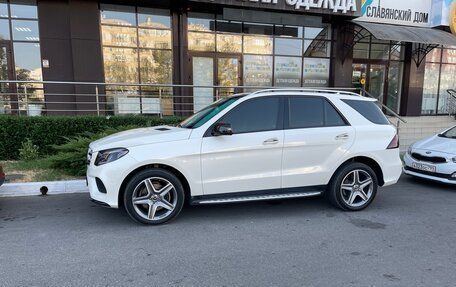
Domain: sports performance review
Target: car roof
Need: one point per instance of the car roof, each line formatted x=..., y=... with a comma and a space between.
x=330, y=93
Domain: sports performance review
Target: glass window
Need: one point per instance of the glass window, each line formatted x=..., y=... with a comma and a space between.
x=257, y=44
x=369, y=110
x=434, y=55
x=287, y=71
x=288, y=31
x=120, y=65
x=4, y=29
x=228, y=26
x=259, y=29
x=317, y=48
x=320, y=33
x=361, y=51
x=397, y=52
x=256, y=115
x=152, y=38
x=332, y=117
x=449, y=56
x=305, y=112
x=24, y=9
x=229, y=43
x=200, y=22
x=380, y=51
x=3, y=9
x=430, y=88
x=394, y=85
x=28, y=61
x=25, y=30
x=284, y=46
x=447, y=81
x=201, y=41
x=118, y=15
x=156, y=66
x=257, y=70
x=119, y=36
x=316, y=72
x=154, y=18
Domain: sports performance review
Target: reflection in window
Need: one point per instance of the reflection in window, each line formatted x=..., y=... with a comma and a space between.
x=229, y=43
x=259, y=29
x=287, y=71
x=201, y=41
x=4, y=29
x=284, y=46
x=430, y=88
x=153, y=38
x=119, y=36
x=118, y=15
x=154, y=18
x=317, y=48
x=397, y=52
x=380, y=51
x=394, y=85
x=320, y=33
x=447, y=81
x=288, y=31
x=120, y=65
x=257, y=70
x=200, y=22
x=24, y=9
x=361, y=51
x=3, y=9
x=257, y=45
x=28, y=61
x=156, y=66
x=449, y=56
x=434, y=55
x=24, y=30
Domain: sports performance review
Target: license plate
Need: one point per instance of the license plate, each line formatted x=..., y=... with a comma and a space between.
x=423, y=167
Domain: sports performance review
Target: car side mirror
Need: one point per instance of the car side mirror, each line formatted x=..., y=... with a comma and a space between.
x=222, y=129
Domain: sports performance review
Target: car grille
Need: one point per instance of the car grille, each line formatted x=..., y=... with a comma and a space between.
x=433, y=159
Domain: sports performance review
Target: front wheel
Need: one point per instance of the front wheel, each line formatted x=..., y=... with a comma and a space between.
x=154, y=196
x=353, y=187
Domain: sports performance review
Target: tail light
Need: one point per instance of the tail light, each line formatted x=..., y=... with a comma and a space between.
x=394, y=142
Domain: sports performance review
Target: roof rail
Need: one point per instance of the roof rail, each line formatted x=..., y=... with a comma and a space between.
x=329, y=91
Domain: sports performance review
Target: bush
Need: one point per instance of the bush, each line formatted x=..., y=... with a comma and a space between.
x=28, y=151
x=71, y=157
x=47, y=131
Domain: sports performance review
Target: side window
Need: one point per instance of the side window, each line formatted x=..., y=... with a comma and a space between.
x=332, y=117
x=312, y=112
x=369, y=110
x=261, y=114
x=305, y=112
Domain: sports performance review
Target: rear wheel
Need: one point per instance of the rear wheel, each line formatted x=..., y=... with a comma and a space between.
x=154, y=196
x=353, y=187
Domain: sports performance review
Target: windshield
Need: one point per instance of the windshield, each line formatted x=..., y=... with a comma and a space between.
x=201, y=117
x=451, y=133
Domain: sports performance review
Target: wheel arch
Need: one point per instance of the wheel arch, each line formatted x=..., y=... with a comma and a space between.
x=367, y=161
x=176, y=172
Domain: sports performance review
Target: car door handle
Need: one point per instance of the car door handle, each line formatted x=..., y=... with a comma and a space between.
x=342, y=137
x=271, y=141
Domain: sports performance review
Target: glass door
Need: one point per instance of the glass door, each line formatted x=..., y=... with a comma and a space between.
x=376, y=83
x=5, y=74
x=203, y=75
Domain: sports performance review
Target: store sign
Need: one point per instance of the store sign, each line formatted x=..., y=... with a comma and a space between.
x=316, y=72
x=342, y=7
x=410, y=13
x=287, y=72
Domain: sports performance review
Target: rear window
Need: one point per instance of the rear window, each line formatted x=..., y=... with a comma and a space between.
x=369, y=110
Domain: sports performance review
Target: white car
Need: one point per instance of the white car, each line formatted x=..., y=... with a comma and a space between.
x=433, y=158
x=270, y=144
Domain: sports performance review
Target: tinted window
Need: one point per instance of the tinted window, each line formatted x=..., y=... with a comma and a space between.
x=254, y=115
x=306, y=112
x=332, y=117
x=369, y=110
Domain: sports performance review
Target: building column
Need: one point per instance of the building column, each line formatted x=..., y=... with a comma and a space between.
x=412, y=88
x=341, y=63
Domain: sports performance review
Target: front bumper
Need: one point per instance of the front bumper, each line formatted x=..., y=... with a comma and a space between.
x=442, y=173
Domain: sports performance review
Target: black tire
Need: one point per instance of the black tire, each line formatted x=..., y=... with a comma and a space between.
x=338, y=196
x=138, y=184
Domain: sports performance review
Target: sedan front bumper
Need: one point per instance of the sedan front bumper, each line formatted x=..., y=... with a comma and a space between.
x=443, y=171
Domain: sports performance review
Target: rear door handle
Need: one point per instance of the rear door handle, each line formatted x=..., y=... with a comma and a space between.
x=271, y=141
x=342, y=136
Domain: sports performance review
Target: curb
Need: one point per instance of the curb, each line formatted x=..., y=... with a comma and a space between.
x=33, y=188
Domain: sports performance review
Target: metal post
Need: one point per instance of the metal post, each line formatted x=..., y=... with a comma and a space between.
x=160, y=102
x=26, y=102
x=97, y=99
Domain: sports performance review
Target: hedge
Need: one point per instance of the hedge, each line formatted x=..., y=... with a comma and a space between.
x=53, y=130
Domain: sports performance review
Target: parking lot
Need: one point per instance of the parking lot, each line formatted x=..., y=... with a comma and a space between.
x=406, y=238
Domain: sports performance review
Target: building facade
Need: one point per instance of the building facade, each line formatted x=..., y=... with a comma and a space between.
x=136, y=46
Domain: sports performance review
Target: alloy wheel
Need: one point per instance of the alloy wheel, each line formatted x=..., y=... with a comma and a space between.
x=357, y=188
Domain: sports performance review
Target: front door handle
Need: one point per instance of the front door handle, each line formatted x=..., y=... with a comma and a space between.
x=271, y=141
x=342, y=136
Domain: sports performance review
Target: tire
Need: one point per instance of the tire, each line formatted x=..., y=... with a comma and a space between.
x=348, y=194
x=154, y=196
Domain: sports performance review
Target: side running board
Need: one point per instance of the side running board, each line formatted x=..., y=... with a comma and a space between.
x=259, y=197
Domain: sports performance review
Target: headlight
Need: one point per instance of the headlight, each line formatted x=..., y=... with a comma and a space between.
x=110, y=155
x=409, y=151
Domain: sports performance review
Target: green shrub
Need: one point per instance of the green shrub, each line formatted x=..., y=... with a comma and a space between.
x=28, y=151
x=71, y=157
x=49, y=130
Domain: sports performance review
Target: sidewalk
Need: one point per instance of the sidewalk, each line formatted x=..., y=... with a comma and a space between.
x=33, y=188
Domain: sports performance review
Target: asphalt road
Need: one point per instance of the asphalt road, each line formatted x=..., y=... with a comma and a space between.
x=406, y=238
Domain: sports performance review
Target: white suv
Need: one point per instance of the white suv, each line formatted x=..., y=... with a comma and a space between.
x=270, y=144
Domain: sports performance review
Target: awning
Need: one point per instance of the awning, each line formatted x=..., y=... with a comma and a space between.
x=398, y=33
